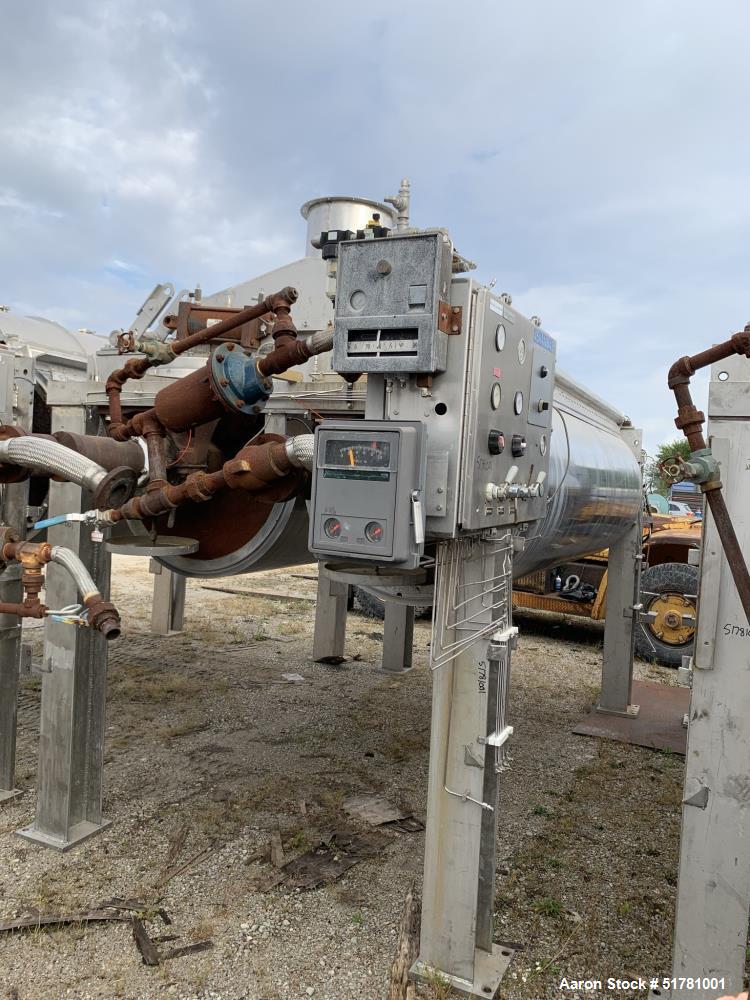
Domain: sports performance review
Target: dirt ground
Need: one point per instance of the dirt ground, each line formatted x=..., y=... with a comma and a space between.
x=210, y=750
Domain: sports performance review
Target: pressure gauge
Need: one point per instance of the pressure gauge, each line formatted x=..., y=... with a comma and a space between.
x=499, y=337
x=495, y=395
x=374, y=531
x=518, y=403
x=521, y=351
x=543, y=444
x=332, y=527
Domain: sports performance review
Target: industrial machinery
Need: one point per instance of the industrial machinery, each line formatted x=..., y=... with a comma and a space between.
x=423, y=421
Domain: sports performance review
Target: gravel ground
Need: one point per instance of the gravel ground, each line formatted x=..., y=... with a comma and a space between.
x=210, y=750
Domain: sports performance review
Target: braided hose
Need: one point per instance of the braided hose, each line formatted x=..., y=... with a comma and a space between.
x=80, y=575
x=300, y=451
x=320, y=342
x=53, y=459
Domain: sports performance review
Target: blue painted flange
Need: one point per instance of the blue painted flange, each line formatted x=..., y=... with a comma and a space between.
x=237, y=381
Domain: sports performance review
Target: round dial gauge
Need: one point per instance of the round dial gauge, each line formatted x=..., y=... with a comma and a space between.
x=518, y=403
x=499, y=337
x=543, y=444
x=495, y=395
x=521, y=351
x=374, y=531
x=332, y=527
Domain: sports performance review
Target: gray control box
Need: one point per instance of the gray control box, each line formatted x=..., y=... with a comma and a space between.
x=367, y=491
x=507, y=417
x=388, y=296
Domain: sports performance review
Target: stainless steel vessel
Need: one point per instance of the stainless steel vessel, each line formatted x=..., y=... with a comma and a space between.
x=594, y=481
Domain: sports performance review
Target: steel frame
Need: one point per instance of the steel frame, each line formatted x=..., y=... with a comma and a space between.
x=713, y=892
x=71, y=743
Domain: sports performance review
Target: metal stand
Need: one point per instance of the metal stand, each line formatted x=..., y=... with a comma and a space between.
x=713, y=893
x=168, y=607
x=623, y=588
x=467, y=747
x=71, y=744
x=330, y=617
x=398, y=637
x=14, y=503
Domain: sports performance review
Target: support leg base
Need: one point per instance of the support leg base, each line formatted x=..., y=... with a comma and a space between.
x=10, y=795
x=631, y=712
x=489, y=969
x=78, y=833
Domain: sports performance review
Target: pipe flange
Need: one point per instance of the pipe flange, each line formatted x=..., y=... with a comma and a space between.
x=117, y=487
x=12, y=473
x=237, y=382
x=104, y=617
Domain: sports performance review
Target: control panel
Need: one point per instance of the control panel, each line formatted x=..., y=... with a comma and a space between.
x=367, y=491
x=391, y=296
x=507, y=417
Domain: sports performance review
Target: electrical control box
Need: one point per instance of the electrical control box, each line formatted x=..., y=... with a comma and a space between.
x=391, y=297
x=507, y=417
x=368, y=483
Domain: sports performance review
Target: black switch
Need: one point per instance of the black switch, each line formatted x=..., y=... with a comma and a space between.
x=496, y=442
x=518, y=446
x=543, y=371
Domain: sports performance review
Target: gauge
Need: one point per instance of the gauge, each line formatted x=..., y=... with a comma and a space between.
x=332, y=527
x=518, y=403
x=355, y=453
x=543, y=444
x=499, y=337
x=495, y=395
x=374, y=531
x=521, y=351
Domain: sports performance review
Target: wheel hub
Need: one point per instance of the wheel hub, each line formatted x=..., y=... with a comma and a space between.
x=668, y=625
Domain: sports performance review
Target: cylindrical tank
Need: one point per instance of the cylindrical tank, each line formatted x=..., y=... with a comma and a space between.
x=341, y=212
x=594, y=482
x=50, y=345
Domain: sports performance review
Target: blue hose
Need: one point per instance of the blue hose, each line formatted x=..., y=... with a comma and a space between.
x=60, y=519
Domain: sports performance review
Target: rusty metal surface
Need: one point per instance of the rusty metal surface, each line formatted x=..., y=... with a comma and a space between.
x=658, y=725
x=690, y=421
x=524, y=599
x=450, y=318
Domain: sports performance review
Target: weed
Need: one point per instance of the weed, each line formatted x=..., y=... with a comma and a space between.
x=357, y=919
x=541, y=811
x=548, y=906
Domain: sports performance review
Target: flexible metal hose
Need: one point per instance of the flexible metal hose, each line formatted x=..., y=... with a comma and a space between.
x=83, y=579
x=300, y=450
x=320, y=342
x=52, y=458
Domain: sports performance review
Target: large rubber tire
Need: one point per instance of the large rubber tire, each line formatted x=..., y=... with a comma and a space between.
x=373, y=607
x=667, y=578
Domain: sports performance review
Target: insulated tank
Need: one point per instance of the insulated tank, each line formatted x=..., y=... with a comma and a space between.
x=594, y=481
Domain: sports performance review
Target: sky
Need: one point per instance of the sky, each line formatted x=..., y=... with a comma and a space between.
x=591, y=157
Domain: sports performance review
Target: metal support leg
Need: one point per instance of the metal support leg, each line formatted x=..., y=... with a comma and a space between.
x=470, y=685
x=398, y=637
x=71, y=744
x=168, y=607
x=713, y=889
x=10, y=660
x=623, y=588
x=330, y=618
x=15, y=498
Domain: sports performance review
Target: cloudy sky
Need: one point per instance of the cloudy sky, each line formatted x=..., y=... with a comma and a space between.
x=592, y=157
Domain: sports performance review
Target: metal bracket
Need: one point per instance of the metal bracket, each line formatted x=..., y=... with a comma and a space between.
x=450, y=318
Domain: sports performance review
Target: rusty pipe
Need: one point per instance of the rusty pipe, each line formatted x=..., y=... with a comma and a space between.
x=278, y=302
x=690, y=421
x=295, y=352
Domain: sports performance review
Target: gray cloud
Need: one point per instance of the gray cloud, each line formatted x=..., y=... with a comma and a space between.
x=591, y=157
